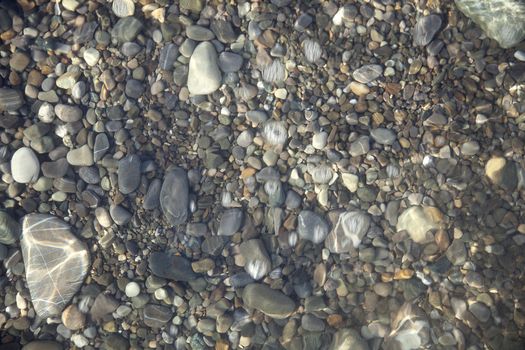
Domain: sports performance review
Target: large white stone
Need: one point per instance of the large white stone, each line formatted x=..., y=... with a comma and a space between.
x=25, y=166
x=204, y=76
x=418, y=221
x=56, y=262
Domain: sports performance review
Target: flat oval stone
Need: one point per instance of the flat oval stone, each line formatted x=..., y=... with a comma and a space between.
x=82, y=156
x=129, y=174
x=199, y=33
x=25, y=166
x=151, y=199
x=100, y=147
x=230, y=62
x=269, y=301
x=9, y=229
x=174, y=196
x=55, y=261
x=383, y=136
x=68, y=113
x=10, y=100
x=231, y=221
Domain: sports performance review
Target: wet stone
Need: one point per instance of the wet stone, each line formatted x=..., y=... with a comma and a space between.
x=204, y=76
x=425, y=29
x=257, y=261
x=126, y=29
x=156, y=316
x=311, y=226
x=383, y=136
x=360, y=147
x=199, y=33
x=269, y=301
x=176, y=268
x=56, y=262
x=129, y=174
x=25, y=166
x=231, y=222
x=9, y=229
x=349, y=229
x=230, y=62
x=367, y=73
x=174, y=196
x=151, y=199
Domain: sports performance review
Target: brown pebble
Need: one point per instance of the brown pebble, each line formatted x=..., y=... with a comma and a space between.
x=72, y=318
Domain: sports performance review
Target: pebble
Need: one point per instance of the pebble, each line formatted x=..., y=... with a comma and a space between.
x=100, y=147
x=271, y=302
x=311, y=226
x=312, y=50
x=82, y=156
x=425, y=29
x=418, y=221
x=199, y=33
x=174, y=196
x=204, y=76
x=25, y=166
x=132, y=289
x=348, y=230
x=68, y=113
x=257, y=262
x=55, y=261
x=119, y=215
x=91, y=56
x=230, y=62
x=123, y=8
x=129, y=174
x=360, y=147
x=231, y=222
x=156, y=316
x=383, y=136
x=10, y=100
x=151, y=199
x=126, y=29
x=319, y=140
x=501, y=172
x=176, y=268
x=10, y=230
x=367, y=73
x=73, y=318
x=42, y=345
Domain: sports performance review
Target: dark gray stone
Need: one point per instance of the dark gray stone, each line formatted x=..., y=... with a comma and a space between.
x=129, y=174
x=173, y=267
x=425, y=29
x=174, y=196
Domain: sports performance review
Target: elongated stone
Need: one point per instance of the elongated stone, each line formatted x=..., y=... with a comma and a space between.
x=174, y=196
x=56, y=262
x=204, y=75
x=129, y=173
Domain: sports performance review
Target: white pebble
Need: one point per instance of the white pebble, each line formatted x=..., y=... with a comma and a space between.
x=132, y=289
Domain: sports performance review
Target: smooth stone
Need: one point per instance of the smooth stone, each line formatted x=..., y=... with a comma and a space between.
x=174, y=196
x=275, y=132
x=78, y=90
x=311, y=323
x=46, y=112
x=10, y=229
x=19, y=61
x=25, y=166
x=319, y=140
x=192, y=5
x=42, y=345
x=56, y=169
x=115, y=342
x=480, y=311
x=173, y=267
x=383, y=136
x=10, y=100
x=367, y=73
x=349, y=229
x=55, y=261
x=360, y=147
x=348, y=339
x=223, y=30
x=134, y=88
x=271, y=302
x=126, y=29
x=350, y=181
x=130, y=49
x=231, y=222
x=274, y=72
x=132, y=289
x=204, y=76
x=89, y=175
x=100, y=147
x=425, y=29
x=312, y=50
x=457, y=253
x=103, y=305
x=257, y=117
x=156, y=316
x=67, y=80
x=311, y=226
x=82, y=156
x=91, y=56
x=129, y=174
x=230, y=62
x=167, y=57
x=123, y=8
x=119, y=215
x=502, y=172
x=470, y=148
x=73, y=318
x=358, y=88
x=152, y=196
x=68, y=113
x=257, y=262
x=245, y=138
x=199, y=33
x=418, y=221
